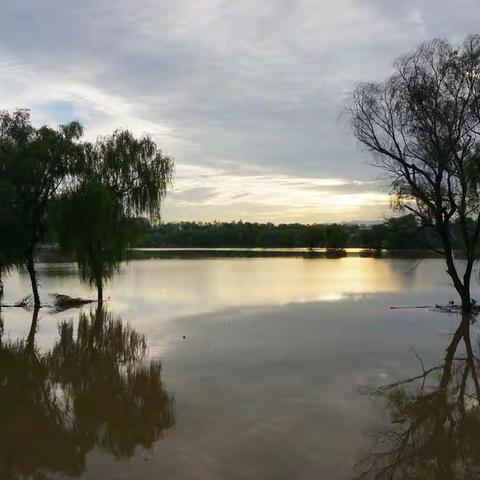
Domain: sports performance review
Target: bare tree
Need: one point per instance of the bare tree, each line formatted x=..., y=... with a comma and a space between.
x=422, y=126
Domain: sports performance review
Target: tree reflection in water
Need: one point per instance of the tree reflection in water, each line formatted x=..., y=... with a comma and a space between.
x=435, y=421
x=94, y=390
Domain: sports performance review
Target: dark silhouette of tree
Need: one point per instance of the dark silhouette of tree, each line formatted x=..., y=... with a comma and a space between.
x=90, y=224
x=336, y=236
x=34, y=165
x=422, y=127
x=119, y=177
x=94, y=389
x=373, y=237
x=12, y=233
x=400, y=232
x=134, y=170
x=435, y=422
x=314, y=236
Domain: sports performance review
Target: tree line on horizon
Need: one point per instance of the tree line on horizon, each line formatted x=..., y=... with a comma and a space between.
x=83, y=195
x=401, y=233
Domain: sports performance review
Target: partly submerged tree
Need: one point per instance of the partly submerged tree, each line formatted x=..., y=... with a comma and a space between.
x=119, y=177
x=12, y=234
x=34, y=165
x=423, y=127
x=89, y=223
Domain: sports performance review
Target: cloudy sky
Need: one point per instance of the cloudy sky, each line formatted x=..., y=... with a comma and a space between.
x=247, y=96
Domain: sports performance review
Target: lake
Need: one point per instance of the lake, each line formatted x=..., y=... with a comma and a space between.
x=238, y=368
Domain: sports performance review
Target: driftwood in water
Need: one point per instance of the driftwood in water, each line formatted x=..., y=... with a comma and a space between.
x=60, y=303
x=416, y=306
x=454, y=308
x=451, y=307
x=64, y=302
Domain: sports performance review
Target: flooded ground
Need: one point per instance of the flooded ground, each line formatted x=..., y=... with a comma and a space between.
x=228, y=368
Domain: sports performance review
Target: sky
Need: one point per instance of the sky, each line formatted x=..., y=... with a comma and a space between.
x=246, y=96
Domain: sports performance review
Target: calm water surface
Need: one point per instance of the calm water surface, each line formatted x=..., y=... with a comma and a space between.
x=225, y=368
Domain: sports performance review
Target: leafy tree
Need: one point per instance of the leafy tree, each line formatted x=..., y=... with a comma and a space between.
x=12, y=234
x=336, y=236
x=372, y=237
x=314, y=236
x=118, y=177
x=34, y=165
x=401, y=232
x=135, y=171
x=90, y=224
x=421, y=125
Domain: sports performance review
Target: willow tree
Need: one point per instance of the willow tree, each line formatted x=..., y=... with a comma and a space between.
x=90, y=225
x=35, y=164
x=422, y=126
x=118, y=178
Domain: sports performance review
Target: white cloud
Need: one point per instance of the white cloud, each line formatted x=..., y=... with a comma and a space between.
x=217, y=195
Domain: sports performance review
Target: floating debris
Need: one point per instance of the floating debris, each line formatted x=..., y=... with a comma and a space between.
x=415, y=306
x=64, y=302
x=451, y=307
x=60, y=303
x=454, y=308
x=25, y=302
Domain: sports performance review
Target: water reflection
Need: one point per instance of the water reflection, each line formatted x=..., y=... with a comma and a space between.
x=435, y=421
x=93, y=390
x=216, y=284
x=257, y=368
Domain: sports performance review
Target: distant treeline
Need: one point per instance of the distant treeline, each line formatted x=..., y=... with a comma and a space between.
x=394, y=233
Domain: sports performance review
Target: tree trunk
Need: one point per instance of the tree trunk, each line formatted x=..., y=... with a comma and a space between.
x=30, y=343
x=467, y=300
x=471, y=361
x=1, y=284
x=463, y=289
x=33, y=279
x=99, y=291
x=461, y=332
